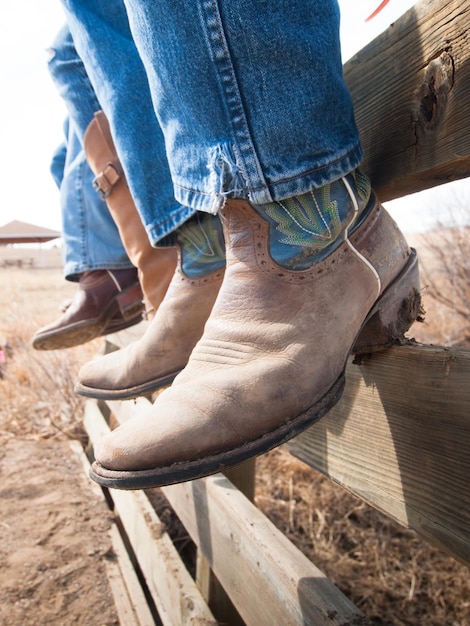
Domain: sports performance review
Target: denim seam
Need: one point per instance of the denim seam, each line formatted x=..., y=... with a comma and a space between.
x=227, y=79
x=83, y=212
x=312, y=170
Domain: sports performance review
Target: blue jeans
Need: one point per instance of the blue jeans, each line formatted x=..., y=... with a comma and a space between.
x=101, y=36
x=249, y=94
x=90, y=237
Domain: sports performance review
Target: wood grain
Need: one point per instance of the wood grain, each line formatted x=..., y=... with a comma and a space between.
x=399, y=439
x=411, y=94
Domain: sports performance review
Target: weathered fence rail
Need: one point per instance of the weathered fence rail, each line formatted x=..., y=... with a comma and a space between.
x=411, y=89
x=399, y=437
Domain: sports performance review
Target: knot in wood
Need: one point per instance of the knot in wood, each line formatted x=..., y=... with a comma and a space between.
x=437, y=84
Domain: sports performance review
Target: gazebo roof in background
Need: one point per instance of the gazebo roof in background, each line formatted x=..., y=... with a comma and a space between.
x=21, y=232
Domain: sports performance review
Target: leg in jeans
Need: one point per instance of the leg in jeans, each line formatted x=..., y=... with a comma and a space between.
x=108, y=296
x=250, y=96
x=104, y=43
x=110, y=60
x=90, y=237
x=73, y=83
x=259, y=126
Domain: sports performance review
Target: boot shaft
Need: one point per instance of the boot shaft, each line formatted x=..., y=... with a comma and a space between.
x=202, y=245
x=156, y=266
x=305, y=229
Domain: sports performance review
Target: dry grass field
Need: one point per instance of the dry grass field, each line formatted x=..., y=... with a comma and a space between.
x=54, y=543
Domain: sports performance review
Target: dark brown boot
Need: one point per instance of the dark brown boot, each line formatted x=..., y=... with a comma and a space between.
x=106, y=301
x=156, y=265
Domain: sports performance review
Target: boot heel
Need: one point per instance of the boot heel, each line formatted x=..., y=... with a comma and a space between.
x=130, y=302
x=393, y=313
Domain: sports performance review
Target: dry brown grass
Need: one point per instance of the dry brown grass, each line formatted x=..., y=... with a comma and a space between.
x=444, y=256
x=36, y=391
x=446, y=274
x=386, y=570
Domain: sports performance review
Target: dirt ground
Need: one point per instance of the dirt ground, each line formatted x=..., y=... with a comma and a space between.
x=54, y=541
x=54, y=529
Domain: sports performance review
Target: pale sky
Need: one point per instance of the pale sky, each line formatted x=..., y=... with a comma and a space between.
x=31, y=112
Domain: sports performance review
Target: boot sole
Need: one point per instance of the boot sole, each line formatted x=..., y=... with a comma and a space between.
x=184, y=471
x=78, y=334
x=145, y=389
x=391, y=316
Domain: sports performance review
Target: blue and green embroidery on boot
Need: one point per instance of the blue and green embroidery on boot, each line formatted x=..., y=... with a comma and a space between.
x=202, y=245
x=363, y=185
x=305, y=229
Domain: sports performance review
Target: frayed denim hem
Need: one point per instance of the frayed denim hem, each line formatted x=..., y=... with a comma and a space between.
x=226, y=180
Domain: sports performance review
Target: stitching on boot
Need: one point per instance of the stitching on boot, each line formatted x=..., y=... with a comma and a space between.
x=265, y=263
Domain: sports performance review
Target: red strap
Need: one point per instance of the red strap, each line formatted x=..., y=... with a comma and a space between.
x=378, y=9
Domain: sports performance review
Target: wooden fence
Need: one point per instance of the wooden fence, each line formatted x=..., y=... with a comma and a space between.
x=398, y=439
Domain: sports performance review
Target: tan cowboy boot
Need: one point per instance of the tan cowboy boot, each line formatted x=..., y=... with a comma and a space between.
x=154, y=360
x=156, y=266
x=306, y=278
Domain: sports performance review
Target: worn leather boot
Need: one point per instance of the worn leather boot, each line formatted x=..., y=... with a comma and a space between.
x=307, y=280
x=154, y=360
x=156, y=266
x=105, y=301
